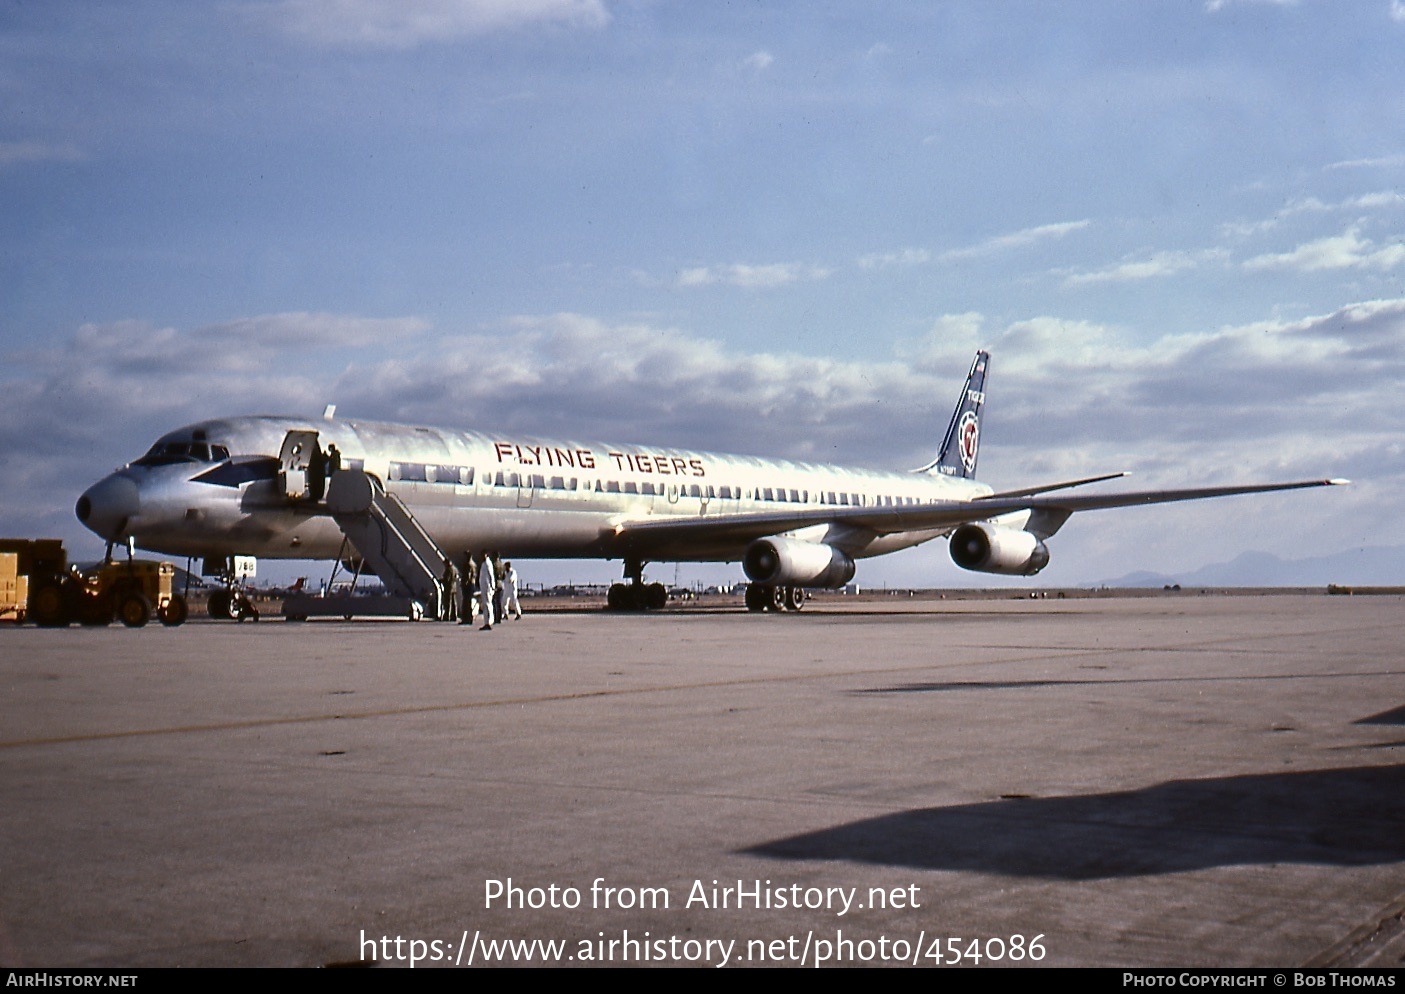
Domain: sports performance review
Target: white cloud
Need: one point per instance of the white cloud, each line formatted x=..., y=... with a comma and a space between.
x=16, y=153
x=759, y=61
x=1370, y=201
x=1158, y=265
x=1397, y=11
x=1379, y=200
x=1214, y=6
x=1345, y=251
x=403, y=24
x=1371, y=163
x=150, y=374
x=905, y=258
x=303, y=330
x=1015, y=240
x=751, y=277
x=575, y=376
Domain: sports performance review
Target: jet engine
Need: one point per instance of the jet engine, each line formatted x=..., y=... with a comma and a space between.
x=792, y=563
x=988, y=548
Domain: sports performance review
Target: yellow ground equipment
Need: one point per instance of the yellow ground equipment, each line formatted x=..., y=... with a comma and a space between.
x=14, y=589
x=40, y=566
x=131, y=590
x=44, y=589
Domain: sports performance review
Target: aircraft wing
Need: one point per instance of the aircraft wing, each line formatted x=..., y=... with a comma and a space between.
x=1048, y=514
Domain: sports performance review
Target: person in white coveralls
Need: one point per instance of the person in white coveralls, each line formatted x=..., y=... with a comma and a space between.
x=487, y=585
x=510, y=604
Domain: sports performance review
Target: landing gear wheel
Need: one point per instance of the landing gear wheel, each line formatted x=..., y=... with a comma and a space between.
x=219, y=605
x=794, y=598
x=775, y=598
x=755, y=597
x=175, y=612
x=134, y=610
x=241, y=608
x=655, y=596
x=617, y=597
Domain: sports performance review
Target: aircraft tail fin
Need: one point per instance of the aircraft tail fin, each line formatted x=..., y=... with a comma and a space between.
x=957, y=455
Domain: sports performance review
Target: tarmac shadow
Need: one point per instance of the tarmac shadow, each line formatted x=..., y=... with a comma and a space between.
x=1395, y=716
x=1344, y=817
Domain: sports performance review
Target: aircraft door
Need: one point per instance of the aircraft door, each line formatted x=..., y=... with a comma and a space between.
x=527, y=486
x=302, y=467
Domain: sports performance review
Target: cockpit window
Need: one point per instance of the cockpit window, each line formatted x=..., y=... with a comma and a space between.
x=168, y=453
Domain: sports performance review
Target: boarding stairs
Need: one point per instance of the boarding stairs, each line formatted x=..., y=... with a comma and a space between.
x=389, y=539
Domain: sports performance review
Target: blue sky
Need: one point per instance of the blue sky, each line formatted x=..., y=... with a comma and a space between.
x=778, y=229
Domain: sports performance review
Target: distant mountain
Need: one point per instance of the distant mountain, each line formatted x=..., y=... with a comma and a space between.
x=1373, y=566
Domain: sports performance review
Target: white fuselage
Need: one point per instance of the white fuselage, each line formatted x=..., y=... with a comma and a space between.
x=213, y=489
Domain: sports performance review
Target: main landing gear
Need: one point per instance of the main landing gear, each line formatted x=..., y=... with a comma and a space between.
x=766, y=597
x=636, y=595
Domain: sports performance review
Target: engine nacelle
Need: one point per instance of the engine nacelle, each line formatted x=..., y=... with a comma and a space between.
x=792, y=563
x=988, y=548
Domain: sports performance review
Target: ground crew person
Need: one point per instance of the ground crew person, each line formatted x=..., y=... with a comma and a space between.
x=468, y=580
x=511, y=605
x=500, y=578
x=453, y=603
x=487, y=587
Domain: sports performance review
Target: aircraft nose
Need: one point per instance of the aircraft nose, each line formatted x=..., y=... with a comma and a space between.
x=108, y=505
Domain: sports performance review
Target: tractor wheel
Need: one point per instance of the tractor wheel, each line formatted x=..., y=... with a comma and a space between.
x=50, y=608
x=134, y=610
x=175, y=612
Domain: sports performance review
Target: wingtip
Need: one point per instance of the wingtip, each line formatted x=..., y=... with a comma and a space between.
x=1338, y=482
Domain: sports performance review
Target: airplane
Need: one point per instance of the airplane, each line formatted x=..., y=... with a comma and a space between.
x=265, y=486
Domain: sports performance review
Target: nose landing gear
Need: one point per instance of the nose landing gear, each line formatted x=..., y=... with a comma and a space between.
x=231, y=603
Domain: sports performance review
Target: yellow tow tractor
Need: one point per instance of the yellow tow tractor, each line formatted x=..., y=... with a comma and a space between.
x=130, y=591
x=59, y=594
